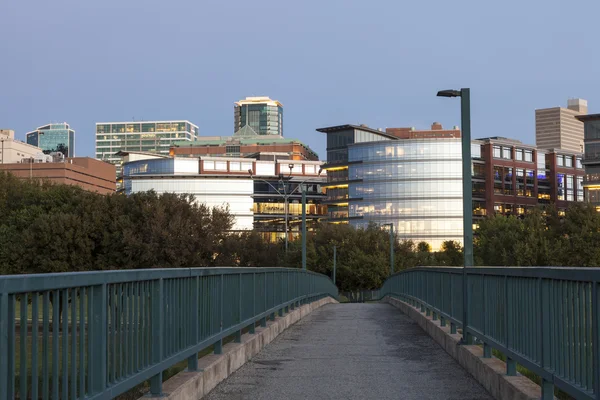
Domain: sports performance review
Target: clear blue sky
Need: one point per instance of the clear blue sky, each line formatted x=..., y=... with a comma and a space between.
x=329, y=62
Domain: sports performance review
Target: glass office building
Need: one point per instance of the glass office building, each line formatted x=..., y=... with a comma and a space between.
x=146, y=136
x=416, y=184
x=260, y=116
x=54, y=138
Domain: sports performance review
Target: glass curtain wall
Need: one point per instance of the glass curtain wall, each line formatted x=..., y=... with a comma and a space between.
x=414, y=184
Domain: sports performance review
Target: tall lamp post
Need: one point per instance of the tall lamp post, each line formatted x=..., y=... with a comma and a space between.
x=391, y=225
x=465, y=120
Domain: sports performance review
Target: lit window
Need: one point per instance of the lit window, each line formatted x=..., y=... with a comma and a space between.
x=519, y=154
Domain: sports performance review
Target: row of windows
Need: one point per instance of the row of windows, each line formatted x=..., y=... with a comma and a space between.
x=506, y=153
x=408, y=208
x=145, y=127
x=394, y=189
x=446, y=149
x=141, y=136
x=421, y=228
x=405, y=170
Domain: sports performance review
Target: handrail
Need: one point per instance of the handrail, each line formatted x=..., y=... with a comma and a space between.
x=98, y=334
x=544, y=318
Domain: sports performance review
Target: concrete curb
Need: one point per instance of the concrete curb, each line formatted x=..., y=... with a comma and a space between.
x=489, y=372
x=214, y=368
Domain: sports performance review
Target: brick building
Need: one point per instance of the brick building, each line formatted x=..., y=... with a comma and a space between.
x=510, y=177
x=89, y=174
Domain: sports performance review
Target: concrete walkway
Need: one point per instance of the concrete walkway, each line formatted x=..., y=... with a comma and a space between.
x=351, y=351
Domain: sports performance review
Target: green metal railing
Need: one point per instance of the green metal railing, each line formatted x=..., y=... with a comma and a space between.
x=546, y=319
x=98, y=334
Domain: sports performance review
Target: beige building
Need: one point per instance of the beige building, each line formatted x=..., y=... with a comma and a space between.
x=14, y=151
x=557, y=127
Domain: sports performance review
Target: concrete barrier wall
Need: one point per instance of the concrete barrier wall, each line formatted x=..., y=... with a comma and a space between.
x=489, y=372
x=214, y=368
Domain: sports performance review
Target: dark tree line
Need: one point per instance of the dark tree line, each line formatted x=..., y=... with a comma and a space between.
x=56, y=228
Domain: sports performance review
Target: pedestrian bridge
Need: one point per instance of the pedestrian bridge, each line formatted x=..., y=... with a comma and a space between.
x=104, y=334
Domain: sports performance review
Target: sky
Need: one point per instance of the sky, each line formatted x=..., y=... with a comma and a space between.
x=330, y=62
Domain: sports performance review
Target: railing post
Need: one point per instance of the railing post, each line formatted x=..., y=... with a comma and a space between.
x=253, y=326
x=195, y=295
x=98, y=340
x=544, y=299
x=4, y=345
x=238, y=334
x=218, y=348
x=596, y=335
x=158, y=321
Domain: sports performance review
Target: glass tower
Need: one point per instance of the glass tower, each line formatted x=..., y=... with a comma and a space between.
x=54, y=138
x=263, y=115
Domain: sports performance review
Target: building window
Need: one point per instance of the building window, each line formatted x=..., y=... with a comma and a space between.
x=497, y=152
x=578, y=163
x=520, y=182
x=519, y=154
x=580, y=188
x=508, y=186
x=529, y=155
x=506, y=153
x=560, y=186
x=569, y=161
x=498, y=180
x=530, y=181
x=560, y=161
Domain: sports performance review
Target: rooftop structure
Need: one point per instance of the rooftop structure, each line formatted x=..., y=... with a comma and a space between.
x=261, y=116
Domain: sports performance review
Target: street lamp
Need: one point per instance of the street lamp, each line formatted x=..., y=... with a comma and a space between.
x=391, y=225
x=465, y=120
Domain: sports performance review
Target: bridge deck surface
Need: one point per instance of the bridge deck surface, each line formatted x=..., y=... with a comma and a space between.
x=352, y=351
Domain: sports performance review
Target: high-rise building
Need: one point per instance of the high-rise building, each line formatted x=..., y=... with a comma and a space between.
x=557, y=127
x=53, y=138
x=259, y=115
x=591, y=158
x=147, y=136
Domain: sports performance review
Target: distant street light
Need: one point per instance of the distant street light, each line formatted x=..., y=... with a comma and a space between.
x=465, y=120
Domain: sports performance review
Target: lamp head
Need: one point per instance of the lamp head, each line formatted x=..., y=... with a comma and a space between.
x=250, y=172
x=291, y=166
x=448, y=93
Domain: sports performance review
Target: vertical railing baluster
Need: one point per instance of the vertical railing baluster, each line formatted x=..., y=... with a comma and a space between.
x=55, y=338
x=74, y=343
x=82, y=337
x=157, y=306
x=192, y=362
x=34, y=345
x=4, y=345
x=219, y=343
x=595, y=309
x=97, y=322
x=23, y=347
